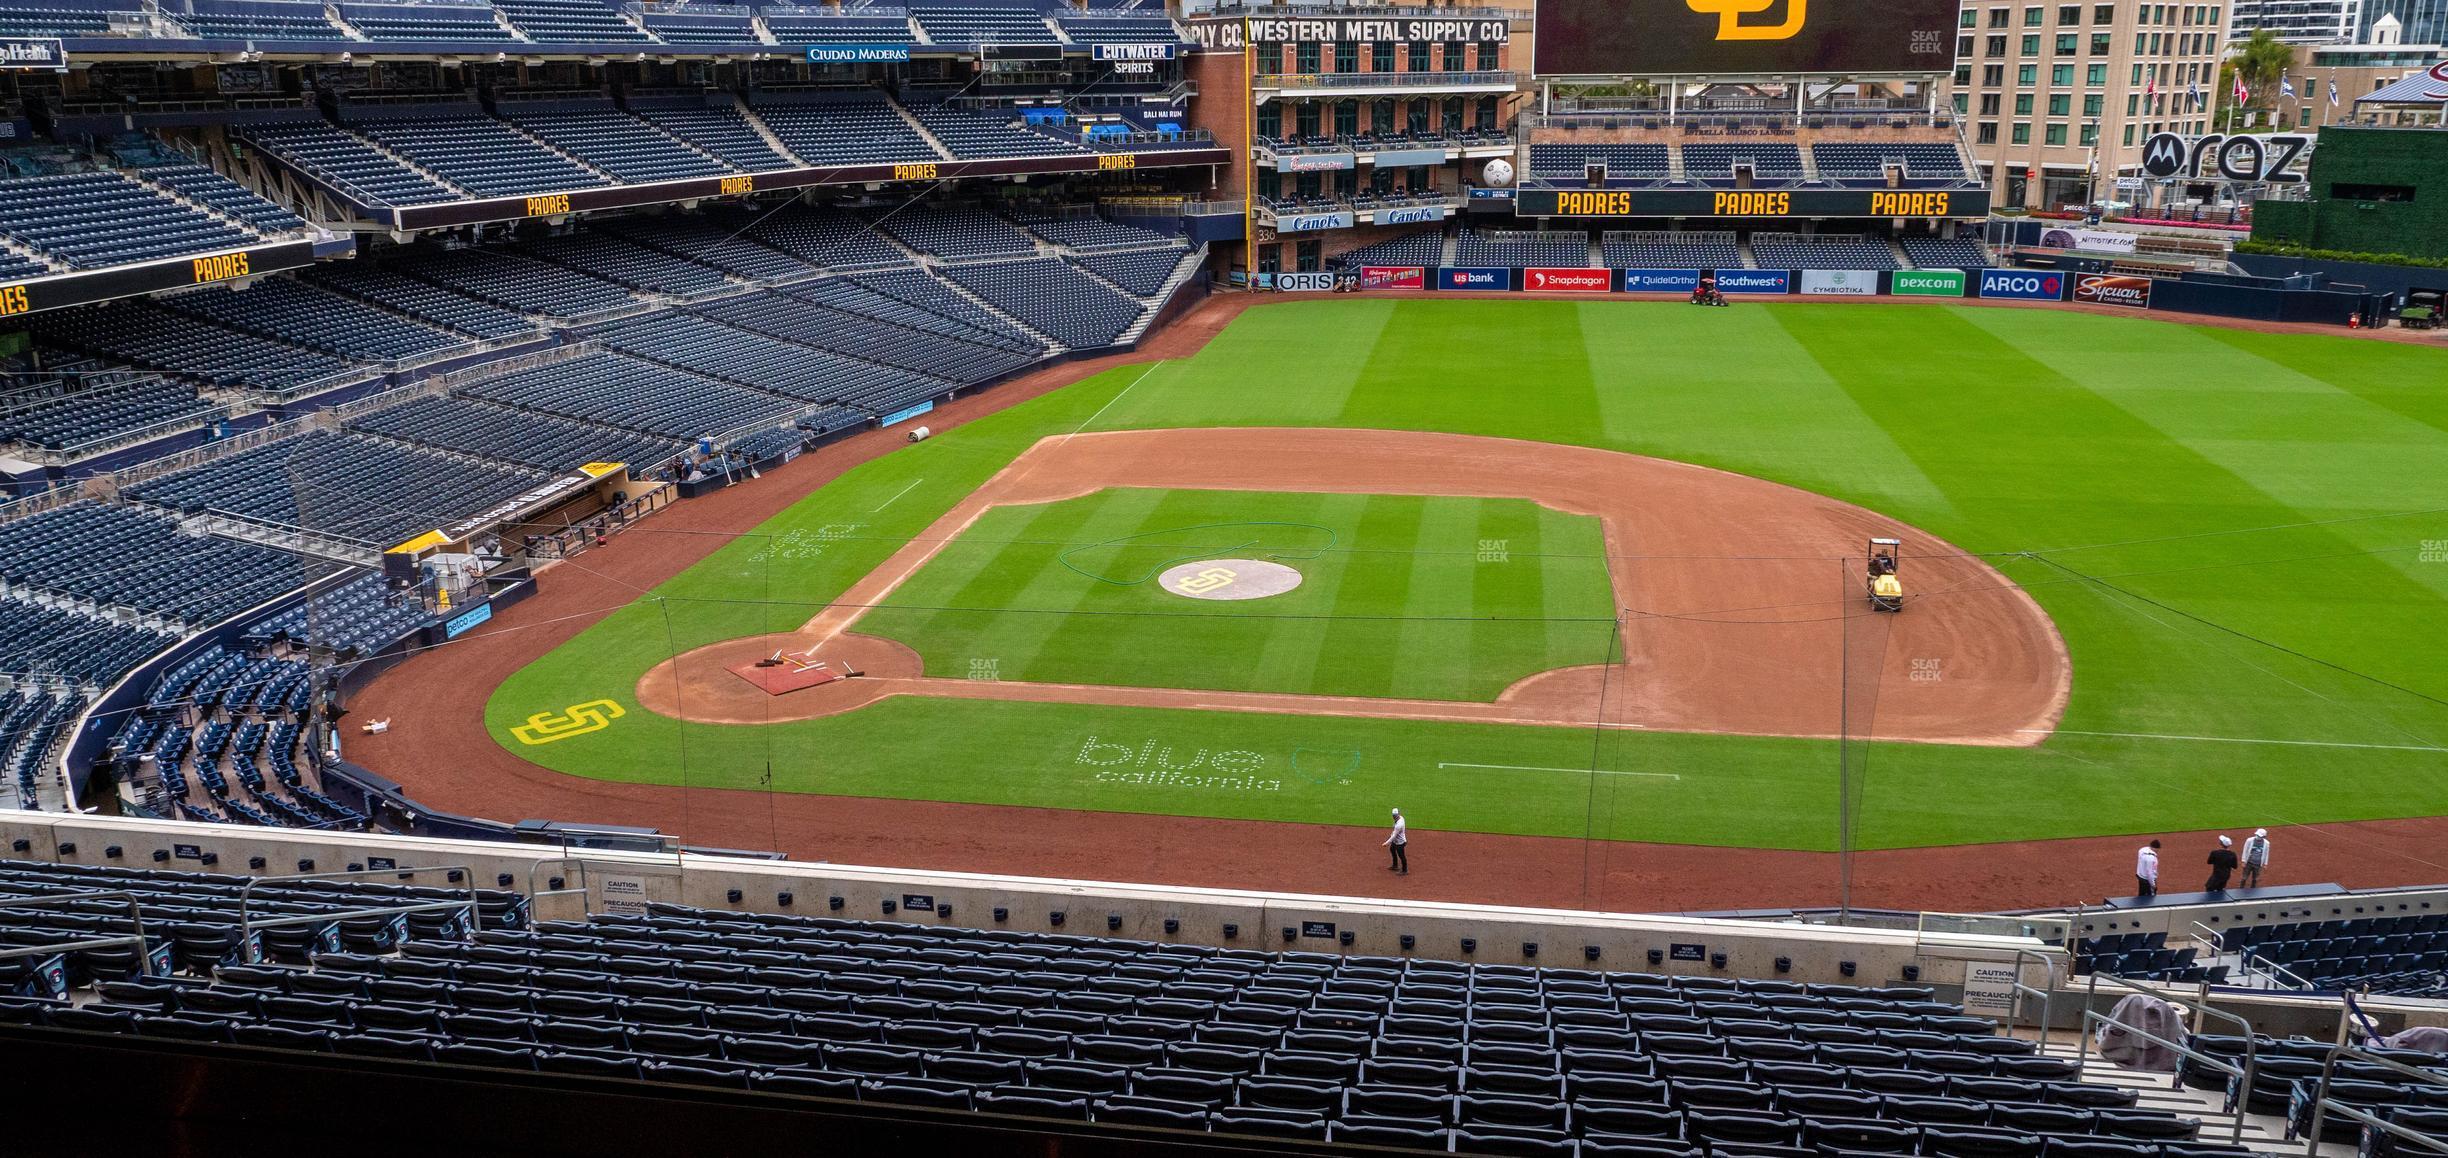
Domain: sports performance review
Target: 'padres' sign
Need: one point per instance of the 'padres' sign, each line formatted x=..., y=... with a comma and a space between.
x=580, y=719
x=2241, y=158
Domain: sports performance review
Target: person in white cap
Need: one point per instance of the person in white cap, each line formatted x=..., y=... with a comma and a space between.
x=2256, y=857
x=2222, y=863
x=1397, y=842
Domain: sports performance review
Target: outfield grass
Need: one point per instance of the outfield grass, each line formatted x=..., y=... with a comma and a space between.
x=2228, y=528
x=1393, y=599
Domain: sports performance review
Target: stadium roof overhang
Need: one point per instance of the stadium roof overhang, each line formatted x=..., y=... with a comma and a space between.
x=1753, y=204
x=84, y=287
x=182, y=50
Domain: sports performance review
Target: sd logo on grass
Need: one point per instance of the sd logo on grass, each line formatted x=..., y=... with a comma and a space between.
x=580, y=719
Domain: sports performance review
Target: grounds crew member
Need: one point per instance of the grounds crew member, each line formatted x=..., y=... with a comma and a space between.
x=2256, y=857
x=1397, y=842
x=2146, y=871
x=2222, y=862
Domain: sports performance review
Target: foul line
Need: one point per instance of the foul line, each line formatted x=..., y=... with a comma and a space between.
x=896, y=496
x=1543, y=768
x=2237, y=740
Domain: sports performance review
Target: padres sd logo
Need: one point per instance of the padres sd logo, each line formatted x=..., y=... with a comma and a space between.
x=1730, y=15
x=1211, y=579
x=580, y=719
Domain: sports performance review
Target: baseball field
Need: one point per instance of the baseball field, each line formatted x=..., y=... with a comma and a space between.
x=2236, y=536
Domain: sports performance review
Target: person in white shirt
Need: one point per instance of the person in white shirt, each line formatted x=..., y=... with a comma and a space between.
x=2256, y=857
x=1397, y=841
x=2146, y=871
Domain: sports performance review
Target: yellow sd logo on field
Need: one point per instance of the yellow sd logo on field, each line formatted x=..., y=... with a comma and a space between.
x=1211, y=579
x=580, y=719
x=1730, y=15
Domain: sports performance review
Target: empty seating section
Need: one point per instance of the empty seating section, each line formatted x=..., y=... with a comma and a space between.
x=1567, y=163
x=317, y=319
x=1770, y=162
x=360, y=615
x=479, y=154
x=37, y=640
x=2143, y=957
x=128, y=556
x=721, y=131
x=571, y=21
x=1522, y=250
x=260, y=20
x=425, y=22
x=1669, y=250
x=15, y=266
x=702, y=24
x=1422, y=1054
x=1142, y=272
x=216, y=192
x=79, y=414
x=524, y=437
x=1821, y=251
x=430, y=303
x=955, y=233
x=705, y=346
x=143, y=333
x=89, y=220
x=1053, y=298
x=615, y=390
x=349, y=164
x=714, y=244
x=351, y=486
x=848, y=128
x=196, y=916
x=917, y=288
x=521, y=284
x=982, y=25
x=628, y=263
x=1867, y=162
x=62, y=18
x=830, y=238
x=1091, y=232
x=617, y=143
x=1421, y=249
x=231, y=720
x=1946, y=252
x=1148, y=29
x=986, y=132
x=2404, y=955
x=825, y=25
x=912, y=300
x=802, y=317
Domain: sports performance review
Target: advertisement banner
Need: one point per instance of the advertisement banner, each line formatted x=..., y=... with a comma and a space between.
x=1407, y=158
x=2088, y=240
x=1922, y=204
x=1660, y=281
x=1305, y=283
x=1754, y=281
x=1410, y=215
x=2100, y=289
x=2026, y=285
x=1132, y=52
x=1569, y=281
x=1463, y=278
x=858, y=54
x=32, y=52
x=1371, y=30
x=1314, y=162
x=1848, y=283
x=1393, y=277
x=1927, y=283
x=1312, y=222
x=1745, y=37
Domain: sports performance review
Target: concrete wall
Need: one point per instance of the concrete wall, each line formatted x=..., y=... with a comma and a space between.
x=1813, y=953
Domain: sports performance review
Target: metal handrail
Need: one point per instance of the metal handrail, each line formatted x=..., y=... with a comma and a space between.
x=534, y=894
x=247, y=924
x=2266, y=965
x=2047, y=992
x=2200, y=1009
x=2322, y=1103
x=143, y=944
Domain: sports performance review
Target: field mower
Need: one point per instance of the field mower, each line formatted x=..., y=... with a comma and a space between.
x=1886, y=587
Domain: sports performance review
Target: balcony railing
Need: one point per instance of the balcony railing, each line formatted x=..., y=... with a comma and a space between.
x=1346, y=81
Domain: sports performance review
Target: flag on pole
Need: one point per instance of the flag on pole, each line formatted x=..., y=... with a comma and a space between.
x=2243, y=96
x=2286, y=88
x=2333, y=92
x=2150, y=86
x=2192, y=93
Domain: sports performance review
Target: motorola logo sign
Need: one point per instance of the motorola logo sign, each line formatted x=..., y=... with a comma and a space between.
x=2163, y=155
x=2247, y=159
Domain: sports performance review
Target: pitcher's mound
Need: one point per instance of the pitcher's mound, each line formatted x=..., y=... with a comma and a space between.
x=1229, y=579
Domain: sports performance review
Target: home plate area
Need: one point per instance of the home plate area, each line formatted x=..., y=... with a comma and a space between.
x=1229, y=579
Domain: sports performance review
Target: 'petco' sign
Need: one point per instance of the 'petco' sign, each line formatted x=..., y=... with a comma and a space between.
x=1568, y=281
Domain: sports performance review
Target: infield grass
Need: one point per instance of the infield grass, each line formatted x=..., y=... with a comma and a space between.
x=2242, y=537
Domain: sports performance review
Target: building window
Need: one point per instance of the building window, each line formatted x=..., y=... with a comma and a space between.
x=1963, y=46
x=2031, y=46
x=1970, y=19
x=2103, y=14
x=2022, y=133
x=1989, y=104
x=1489, y=55
x=2060, y=105
x=1305, y=58
x=1270, y=58
x=2090, y=134
x=2067, y=42
x=1270, y=120
x=2032, y=17
x=2061, y=75
x=1988, y=133
x=1996, y=46
x=1381, y=56
x=2096, y=76
x=2027, y=74
x=1381, y=117
x=2093, y=105
x=1347, y=119
x=2099, y=44
x=1963, y=76
x=2133, y=105
x=1993, y=75
x=2056, y=135
x=2023, y=104
x=1419, y=56
x=2129, y=136
x=1305, y=120
x=1347, y=57
x=2069, y=15
x=1963, y=102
